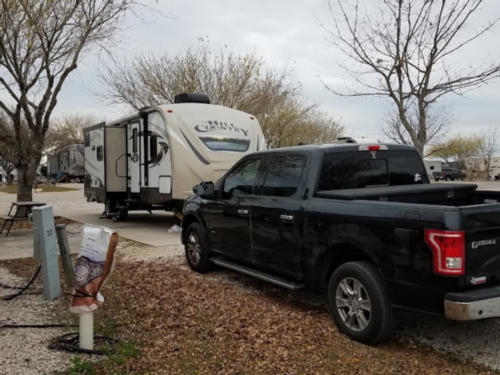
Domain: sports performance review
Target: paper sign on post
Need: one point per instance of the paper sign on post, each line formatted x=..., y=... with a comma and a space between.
x=93, y=266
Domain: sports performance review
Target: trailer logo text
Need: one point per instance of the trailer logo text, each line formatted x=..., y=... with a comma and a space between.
x=211, y=126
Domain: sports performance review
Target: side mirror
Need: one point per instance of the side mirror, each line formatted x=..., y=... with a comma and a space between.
x=199, y=190
x=205, y=190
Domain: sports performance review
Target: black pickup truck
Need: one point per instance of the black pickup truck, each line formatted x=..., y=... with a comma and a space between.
x=360, y=222
x=449, y=174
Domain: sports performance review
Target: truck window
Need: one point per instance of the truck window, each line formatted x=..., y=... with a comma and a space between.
x=283, y=176
x=241, y=180
x=354, y=170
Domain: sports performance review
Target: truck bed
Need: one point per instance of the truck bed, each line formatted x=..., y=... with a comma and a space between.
x=437, y=194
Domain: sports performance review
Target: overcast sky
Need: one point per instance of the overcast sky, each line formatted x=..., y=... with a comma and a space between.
x=280, y=31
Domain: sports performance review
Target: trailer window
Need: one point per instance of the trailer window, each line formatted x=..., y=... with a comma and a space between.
x=100, y=153
x=226, y=144
x=153, y=146
x=134, y=140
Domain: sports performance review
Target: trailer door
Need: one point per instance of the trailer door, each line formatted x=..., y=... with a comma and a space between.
x=134, y=165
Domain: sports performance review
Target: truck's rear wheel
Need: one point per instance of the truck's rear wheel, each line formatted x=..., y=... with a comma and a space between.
x=197, y=249
x=359, y=303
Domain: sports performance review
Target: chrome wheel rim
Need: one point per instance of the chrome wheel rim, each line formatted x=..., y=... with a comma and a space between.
x=353, y=304
x=194, y=248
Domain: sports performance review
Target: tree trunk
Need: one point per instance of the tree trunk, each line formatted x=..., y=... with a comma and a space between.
x=488, y=161
x=420, y=148
x=9, y=177
x=25, y=178
x=24, y=185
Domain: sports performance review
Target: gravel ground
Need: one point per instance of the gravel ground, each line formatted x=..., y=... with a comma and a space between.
x=478, y=341
x=24, y=350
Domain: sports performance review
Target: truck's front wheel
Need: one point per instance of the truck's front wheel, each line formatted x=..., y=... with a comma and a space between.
x=359, y=303
x=197, y=249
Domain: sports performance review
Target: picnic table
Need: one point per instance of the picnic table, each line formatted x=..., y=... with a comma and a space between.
x=22, y=213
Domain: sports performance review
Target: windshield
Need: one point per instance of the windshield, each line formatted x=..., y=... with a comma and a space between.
x=353, y=170
x=226, y=144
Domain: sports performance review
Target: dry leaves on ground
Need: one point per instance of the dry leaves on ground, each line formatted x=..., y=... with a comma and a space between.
x=27, y=225
x=184, y=323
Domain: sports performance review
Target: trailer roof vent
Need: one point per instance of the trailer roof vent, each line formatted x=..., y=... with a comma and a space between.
x=191, y=97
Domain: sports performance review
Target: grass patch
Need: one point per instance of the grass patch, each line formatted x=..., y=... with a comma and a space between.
x=112, y=363
x=80, y=367
x=54, y=189
x=12, y=189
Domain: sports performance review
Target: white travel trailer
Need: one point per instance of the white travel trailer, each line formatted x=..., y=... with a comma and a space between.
x=433, y=166
x=69, y=161
x=153, y=158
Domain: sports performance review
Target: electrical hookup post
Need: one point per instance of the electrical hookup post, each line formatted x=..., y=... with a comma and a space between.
x=94, y=265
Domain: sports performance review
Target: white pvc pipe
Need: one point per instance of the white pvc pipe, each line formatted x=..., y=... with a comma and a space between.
x=87, y=331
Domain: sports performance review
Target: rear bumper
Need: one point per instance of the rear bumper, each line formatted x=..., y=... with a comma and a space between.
x=473, y=304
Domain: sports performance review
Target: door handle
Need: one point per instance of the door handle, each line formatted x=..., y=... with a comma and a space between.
x=243, y=212
x=286, y=217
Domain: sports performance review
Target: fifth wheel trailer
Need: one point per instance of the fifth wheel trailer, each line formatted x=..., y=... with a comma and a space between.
x=68, y=161
x=151, y=159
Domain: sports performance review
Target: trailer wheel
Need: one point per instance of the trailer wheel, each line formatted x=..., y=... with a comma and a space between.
x=197, y=249
x=123, y=214
x=359, y=303
x=109, y=207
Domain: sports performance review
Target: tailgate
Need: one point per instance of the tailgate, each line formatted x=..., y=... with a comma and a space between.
x=482, y=228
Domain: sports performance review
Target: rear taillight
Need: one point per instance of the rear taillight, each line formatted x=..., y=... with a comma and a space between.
x=449, y=251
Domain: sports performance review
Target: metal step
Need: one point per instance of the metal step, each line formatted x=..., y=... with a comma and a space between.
x=257, y=274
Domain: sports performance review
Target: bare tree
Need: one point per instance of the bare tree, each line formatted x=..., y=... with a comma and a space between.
x=240, y=81
x=489, y=146
x=41, y=44
x=438, y=121
x=406, y=51
x=67, y=130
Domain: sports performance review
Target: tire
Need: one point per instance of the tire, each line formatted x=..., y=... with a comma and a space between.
x=121, y=215
x=374, y=320
x=197, y=249
x=109, y=208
